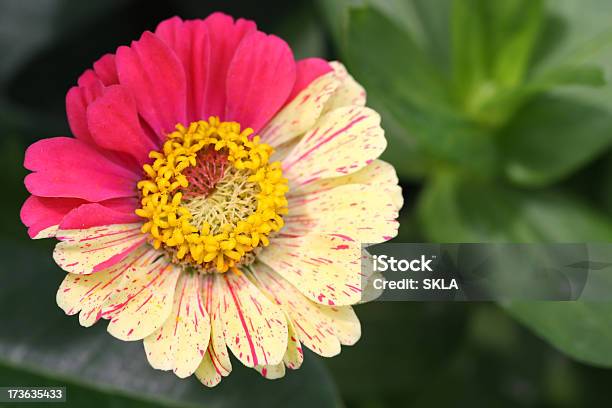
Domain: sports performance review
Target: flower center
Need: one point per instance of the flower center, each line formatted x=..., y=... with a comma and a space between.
x=211, y=198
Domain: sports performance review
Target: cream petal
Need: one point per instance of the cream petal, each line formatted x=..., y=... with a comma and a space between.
x=180, y=344
x=355, y=212
x=88, y=294
x=271, y=372
x=89, y=250
x=325, y=268
x=48, y=232
x=208, y=373
x=143, y=299
x=301, y=113
x=216, y=363
x=369, y=291
x=255, y=329
x=294, y=356
x=314, y=327
x=348, y=93
x=342, y=142
x=282, y=151
x=345, y=322
x=217, y=349
x=378, y=174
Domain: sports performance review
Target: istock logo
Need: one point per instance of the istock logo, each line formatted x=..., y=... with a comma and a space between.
x=383, y=263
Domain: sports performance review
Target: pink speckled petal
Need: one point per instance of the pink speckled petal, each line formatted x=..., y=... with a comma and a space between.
x=144, y=300
x=325, y=268
x=349, y=93
x=216, y=363
x=378, y=174
x=89, y=294
x=271, y=372
x=356, y=212
x=306, y=71
x=301, y=113
x=343, y=141
x=320, y=328
x=179, y=345
x=208, y=373
x=255, y=329
x=84, y=251
x=294, y=356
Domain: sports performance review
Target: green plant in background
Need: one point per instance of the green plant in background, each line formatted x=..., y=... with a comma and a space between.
x=498, y=107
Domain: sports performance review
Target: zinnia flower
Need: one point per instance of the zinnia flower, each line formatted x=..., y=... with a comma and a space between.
x=215, y=196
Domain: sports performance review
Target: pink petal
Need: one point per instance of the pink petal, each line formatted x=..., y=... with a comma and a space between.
x=259, y=80
x=106, y=70
x=77, y=100
x=156, y=78
x=114, y=124
x=67, y=167
x=307, y=70
x=95, y=214
x=39, y=213
x=189, y=41
x=225, y=36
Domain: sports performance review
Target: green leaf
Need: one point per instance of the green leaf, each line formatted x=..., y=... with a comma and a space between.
x=492, y=45
x=452, y=209
x=456, y=210
x=37, y=338
x=576, y=33
x=559, y=131
x=384, y=55
x=583, y=330
x=554, y=135
x=404, y=85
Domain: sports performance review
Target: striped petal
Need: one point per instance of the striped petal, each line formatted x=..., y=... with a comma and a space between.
x=314, y=328
x=255, y=329
x=294, y=356
x=325, y=268
x=378, y=174
x=216, y=363
x=180, y=344
x=272, y=372
x=208, y=373
x=84, y=251
x=88, y=294
x=345, y=322
x=343, y=141
x=301, y=113
x=349, y=93
x=144, y=299
x=354, y=212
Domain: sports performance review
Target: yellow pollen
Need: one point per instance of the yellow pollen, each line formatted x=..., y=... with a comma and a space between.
x=212, y=230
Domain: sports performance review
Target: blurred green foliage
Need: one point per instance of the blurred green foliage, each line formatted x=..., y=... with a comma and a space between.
x=498, y=110
x=499, y=121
